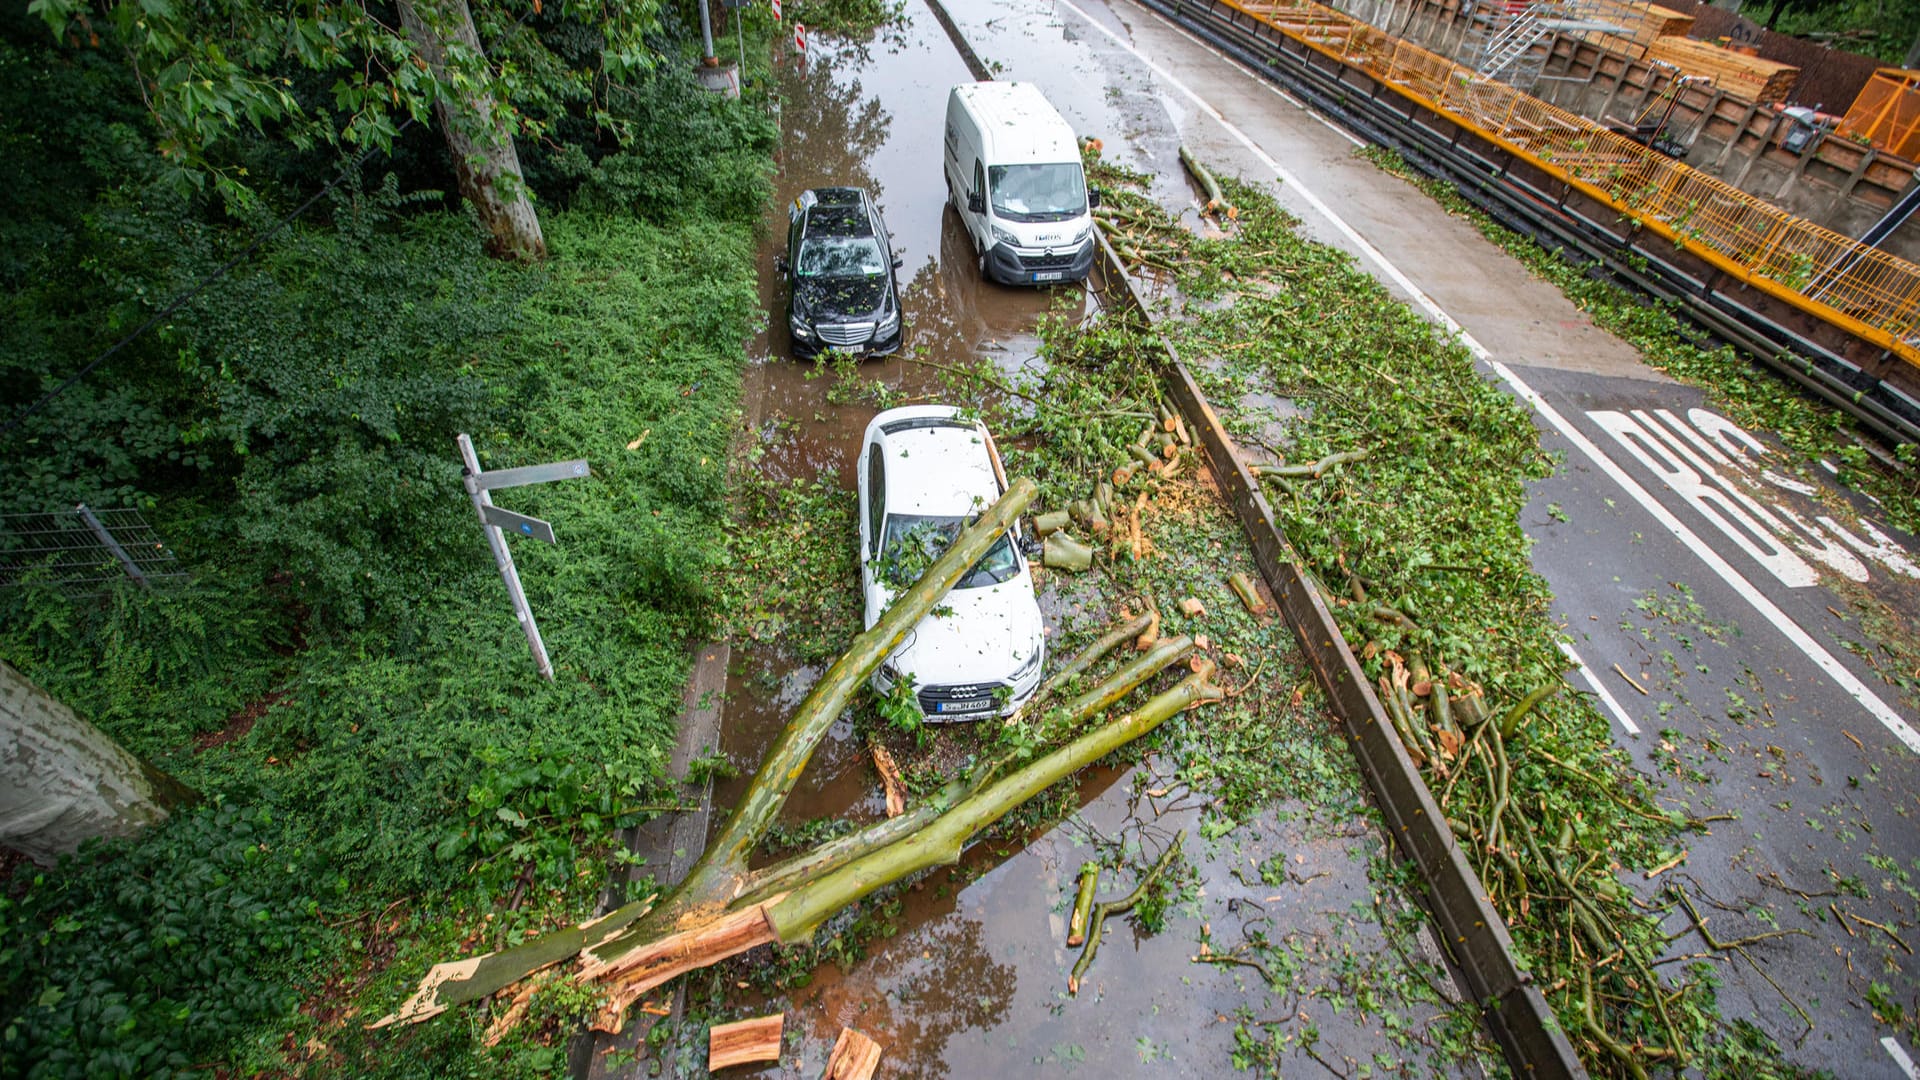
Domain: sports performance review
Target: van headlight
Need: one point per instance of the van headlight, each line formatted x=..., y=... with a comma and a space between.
x=1005, y=236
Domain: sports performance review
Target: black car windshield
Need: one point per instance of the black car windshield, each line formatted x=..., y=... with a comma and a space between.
x=839, y=256
x=1038, y=192
x=913, y=542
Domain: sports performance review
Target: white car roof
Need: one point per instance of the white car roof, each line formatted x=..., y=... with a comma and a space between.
x=1019, y=123
x=932, y=468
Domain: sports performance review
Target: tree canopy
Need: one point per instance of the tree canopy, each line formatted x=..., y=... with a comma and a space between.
x=336, y=72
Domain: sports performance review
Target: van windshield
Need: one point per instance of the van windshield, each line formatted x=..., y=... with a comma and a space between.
x=839, y=256
x=1038, y=192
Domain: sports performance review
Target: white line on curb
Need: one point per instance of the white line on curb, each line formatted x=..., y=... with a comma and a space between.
x=1613, y=705
x=1900, y=1057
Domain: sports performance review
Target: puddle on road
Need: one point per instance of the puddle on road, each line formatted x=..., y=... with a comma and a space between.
x=968, y=975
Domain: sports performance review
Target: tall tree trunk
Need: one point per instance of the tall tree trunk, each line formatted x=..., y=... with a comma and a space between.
x=473, y=122
x=63, y=781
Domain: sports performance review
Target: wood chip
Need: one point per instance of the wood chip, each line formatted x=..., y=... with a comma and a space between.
x=745, y=1041
x=1666, y=866
x=855, y=1057
x=890, y=779
x=1192, y=608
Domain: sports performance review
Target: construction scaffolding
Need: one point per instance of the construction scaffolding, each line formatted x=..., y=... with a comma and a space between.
x=1862, y=289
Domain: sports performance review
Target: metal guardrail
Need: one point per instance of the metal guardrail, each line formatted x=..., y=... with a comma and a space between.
x=1474, y=935
x=1877, y=298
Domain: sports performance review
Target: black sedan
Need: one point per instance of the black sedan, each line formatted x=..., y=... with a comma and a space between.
x=839, y=265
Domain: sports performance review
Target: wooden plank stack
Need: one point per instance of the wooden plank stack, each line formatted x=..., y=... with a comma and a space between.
x=1750, y=77
x=1642, y=23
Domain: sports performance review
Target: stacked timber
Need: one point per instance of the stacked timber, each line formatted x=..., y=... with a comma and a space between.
x=1750, y=77
x=1642, y=23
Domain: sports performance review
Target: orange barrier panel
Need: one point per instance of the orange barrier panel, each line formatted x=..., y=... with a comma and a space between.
x=1862, y=289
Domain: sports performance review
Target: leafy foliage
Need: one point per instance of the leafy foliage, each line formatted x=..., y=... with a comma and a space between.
x=142, y=958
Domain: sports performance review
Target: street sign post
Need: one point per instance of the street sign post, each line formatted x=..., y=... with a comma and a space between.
x=495, y=522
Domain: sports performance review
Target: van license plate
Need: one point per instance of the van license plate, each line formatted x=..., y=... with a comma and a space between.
x=977, y=705
x=1047, y=275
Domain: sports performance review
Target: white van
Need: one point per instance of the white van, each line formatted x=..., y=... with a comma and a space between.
x=1014, y=175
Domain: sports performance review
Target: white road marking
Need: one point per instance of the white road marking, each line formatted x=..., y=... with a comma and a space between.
x=1743, y=588
x=1258, y=80
x=1613, y=705
x=1900, y=1057
x=1289, y=180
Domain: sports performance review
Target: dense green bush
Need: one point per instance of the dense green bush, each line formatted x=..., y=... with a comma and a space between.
x=143, y=958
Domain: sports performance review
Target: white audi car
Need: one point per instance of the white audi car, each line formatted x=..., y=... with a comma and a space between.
x=924, y=473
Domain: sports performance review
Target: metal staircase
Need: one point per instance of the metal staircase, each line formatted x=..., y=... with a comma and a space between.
x=1502, y=34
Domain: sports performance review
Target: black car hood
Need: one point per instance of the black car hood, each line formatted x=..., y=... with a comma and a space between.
x=839, y=298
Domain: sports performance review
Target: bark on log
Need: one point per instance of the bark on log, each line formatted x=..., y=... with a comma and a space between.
x=1063, y=552
x=795, y=915
x=1242, y=587
x=854, y=1057
x=717, y=872
x=745, y=1041
x=63, y=781
x=1091, y=655
x=459, y=981
x=473, y=122
x=1051, y=522
x=640, y=968
x=1083, y=902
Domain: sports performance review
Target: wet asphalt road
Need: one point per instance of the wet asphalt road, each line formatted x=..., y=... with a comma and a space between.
x=1732, y=611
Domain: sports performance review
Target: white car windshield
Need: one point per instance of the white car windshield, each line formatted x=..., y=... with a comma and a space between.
x=839, y=256
x=912, y=542
x=1038, y=192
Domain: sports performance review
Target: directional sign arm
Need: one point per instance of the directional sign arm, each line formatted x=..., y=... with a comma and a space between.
x=530, y=474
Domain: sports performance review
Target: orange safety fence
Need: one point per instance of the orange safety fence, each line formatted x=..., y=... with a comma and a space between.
x=1887, y=112
x=1862, y=289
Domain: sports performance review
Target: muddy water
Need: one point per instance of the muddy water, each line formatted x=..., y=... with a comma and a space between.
x=971, y=981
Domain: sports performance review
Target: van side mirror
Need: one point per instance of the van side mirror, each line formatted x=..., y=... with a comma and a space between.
x=898, y=262
x=1093, y=198
x=976, y=204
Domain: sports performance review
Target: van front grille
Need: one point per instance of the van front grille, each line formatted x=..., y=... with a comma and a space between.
x=1046, y=262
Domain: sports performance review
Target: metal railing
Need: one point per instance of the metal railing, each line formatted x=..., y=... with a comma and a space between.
x=1875, y=297
x=83, y=551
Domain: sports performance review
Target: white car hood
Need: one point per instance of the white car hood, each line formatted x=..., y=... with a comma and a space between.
x=988, y=634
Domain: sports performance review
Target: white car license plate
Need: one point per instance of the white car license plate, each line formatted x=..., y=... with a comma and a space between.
x=1047, y=275
x=977, y=705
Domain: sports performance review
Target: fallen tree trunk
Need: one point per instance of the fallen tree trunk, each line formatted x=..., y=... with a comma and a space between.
x=717, y=874
x=720, y=917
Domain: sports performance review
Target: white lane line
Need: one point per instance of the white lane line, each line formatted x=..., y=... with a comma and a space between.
x=1258, y=80
x=1745, y=589
x=1289, y=180
x=1613, y=705
x=1900, y=1057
